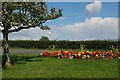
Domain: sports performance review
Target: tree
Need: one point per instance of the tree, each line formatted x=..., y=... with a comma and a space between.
x=17, y=16
x=44, y=38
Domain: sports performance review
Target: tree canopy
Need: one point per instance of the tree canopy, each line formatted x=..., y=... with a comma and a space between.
x=44, y=38
x=23, y=15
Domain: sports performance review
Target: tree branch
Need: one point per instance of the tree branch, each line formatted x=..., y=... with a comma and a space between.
x=27, y=27
x=20, y=28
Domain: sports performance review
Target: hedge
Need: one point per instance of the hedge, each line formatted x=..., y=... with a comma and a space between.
x=95, y=44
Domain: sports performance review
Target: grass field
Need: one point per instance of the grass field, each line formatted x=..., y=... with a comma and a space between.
x=34, y=66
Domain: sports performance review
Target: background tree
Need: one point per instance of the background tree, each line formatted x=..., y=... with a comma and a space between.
x=17, y=16
x=44, y=38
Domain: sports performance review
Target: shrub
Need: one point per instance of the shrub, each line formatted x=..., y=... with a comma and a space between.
x=95, y=44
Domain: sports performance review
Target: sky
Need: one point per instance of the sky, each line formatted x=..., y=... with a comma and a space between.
x=80, y=21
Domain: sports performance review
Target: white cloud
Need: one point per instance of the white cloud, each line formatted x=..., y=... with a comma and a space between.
x=94, y=7
x=95, y=27
x=1, y=28
x=90, y=29
x=31, y=34
x=62, y=18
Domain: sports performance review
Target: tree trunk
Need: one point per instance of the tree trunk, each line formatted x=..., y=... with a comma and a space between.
x=6, y=57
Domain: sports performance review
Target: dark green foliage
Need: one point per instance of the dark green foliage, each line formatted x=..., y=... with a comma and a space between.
x=96, y=44
x=44, y=38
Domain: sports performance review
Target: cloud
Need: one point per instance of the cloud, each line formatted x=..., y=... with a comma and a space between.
x=94, y=7
x=31, y=34
x=93, y=28
x=62, y=18
x=90, y=29
x=1, y=28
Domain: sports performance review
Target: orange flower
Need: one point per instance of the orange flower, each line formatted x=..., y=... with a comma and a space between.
x=110, y=57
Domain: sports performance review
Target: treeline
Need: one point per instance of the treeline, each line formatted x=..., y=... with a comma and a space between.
x=95, y=44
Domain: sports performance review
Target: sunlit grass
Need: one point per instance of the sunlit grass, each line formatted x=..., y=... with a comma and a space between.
x=34, y=66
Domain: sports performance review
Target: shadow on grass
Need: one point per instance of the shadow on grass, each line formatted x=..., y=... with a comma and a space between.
x=23, y=59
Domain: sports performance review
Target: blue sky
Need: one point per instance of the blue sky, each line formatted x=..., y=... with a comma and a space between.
x=76, y=11
x=80, y=21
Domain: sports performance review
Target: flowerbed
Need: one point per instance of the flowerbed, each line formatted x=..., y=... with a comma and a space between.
x=85, y=55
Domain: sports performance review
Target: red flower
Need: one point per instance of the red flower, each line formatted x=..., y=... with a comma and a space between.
x=78, y=57
x=75, y=52
x=94, y=54
x=86, y=52
x=108, y=53
x=62, y=57
x=45, y=54
x=67, y=54
x=110, y=57
x=61, y=52
x=97, y=52
x=90, y=59
x=53, y=55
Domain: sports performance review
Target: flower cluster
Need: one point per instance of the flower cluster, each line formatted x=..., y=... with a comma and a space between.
x=82, y=55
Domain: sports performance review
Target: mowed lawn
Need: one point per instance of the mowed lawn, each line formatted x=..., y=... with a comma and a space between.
x=34, y=66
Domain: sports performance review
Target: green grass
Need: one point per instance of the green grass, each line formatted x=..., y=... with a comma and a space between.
x=33, y=66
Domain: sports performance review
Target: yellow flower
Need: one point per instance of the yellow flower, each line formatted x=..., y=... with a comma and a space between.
x=88, y=56
x=96, y=55
x=79, y=54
